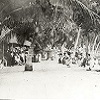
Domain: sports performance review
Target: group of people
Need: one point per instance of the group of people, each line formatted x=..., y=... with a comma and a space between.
x=14, y=56
x=81, y=59
x=18, y=56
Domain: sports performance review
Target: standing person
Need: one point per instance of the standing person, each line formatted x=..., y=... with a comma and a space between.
x=26, y=54
x=68, y=60
x=17, y=58
x=3, y=63
x=12, y=59
x=83, y=62
x=23, y=56
x=21, y=59
x=60, y=58
x=39, y=57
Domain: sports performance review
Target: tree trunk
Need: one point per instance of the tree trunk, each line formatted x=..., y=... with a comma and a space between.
x=97, y=47
x=94, y=43
x=76, y=43
x=28, y=65
x=87, y=48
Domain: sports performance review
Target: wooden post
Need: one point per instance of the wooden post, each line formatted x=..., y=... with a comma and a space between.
x=29, y=65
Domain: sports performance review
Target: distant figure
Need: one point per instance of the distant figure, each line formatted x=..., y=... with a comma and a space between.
x=60, y=58
x=12, y=61
x=17, y=59
x=90, y=63
x=73, y=60
x=96, y=64
x=3, y=63
x=83, y=62
x=67, y=59
x=23, y=57
x=39, y=55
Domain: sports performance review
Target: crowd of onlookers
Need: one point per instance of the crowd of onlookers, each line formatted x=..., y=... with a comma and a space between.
x=18, y=56
x=81, y=59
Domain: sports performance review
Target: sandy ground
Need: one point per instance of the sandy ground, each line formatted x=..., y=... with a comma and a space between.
x=49, y=81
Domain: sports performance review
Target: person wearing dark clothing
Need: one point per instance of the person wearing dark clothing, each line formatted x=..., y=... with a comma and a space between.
x=13, y=61
x=60, y=58
x=83, y=64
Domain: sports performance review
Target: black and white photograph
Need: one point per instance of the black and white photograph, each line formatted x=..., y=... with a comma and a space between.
x=50, y=49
